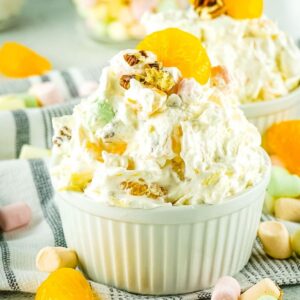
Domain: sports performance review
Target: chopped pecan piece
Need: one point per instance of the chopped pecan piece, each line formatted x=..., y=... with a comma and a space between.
x=154, y=65
x=209, y=9
x=143, y=53
x=131, y=59
x=65, y=132
x=125, y=81
x=58, y=141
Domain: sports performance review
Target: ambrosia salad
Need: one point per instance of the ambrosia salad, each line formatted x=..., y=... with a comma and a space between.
x=151, y=137
x=264, y=60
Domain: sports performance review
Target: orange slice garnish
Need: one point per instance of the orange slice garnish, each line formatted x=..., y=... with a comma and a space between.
x=244, y=9
x=177, y=48
x=283, y=140
x=18, y=61
x=65, y=284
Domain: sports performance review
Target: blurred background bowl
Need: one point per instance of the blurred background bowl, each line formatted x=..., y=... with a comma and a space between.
x=118, y=21
x=9, y=12
x=287, y=14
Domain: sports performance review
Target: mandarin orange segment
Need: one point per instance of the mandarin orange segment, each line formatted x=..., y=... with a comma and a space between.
x=177, y=48
x=244, y=9
x=18, y=61
x=283, y=140
x=115, y=147
x=65, y=284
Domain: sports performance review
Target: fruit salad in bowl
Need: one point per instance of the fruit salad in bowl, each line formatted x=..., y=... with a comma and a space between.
x=263, y=60
x=119, y=20
x=153, y=165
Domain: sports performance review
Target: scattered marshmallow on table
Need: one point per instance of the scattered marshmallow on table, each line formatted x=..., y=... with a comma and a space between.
x=14, y=216
x=47, y=92
x=226, y=288
x=264, y=288
x=287, y=209
x=50, y=259
x=295, y=241
x=283, y=184
x=30, y=152
x=275, y=239
x=269, y=204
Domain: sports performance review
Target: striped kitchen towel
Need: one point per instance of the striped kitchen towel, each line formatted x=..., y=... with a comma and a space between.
x=29, y=181
x=33, y=126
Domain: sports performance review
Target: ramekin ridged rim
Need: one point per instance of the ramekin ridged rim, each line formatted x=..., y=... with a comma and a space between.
x=267, y=107
x=167, y=214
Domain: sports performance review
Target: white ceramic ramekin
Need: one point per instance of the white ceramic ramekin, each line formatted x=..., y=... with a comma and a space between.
x=165, y=250
x=264, y=114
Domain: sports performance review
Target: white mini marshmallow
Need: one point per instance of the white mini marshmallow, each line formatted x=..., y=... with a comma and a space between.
x=275, y=239
x=50, y=259
x=287, y=209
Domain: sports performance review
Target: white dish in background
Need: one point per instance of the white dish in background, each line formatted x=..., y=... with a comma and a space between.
x=165, y=250
x=265, y=113
x=286, y=14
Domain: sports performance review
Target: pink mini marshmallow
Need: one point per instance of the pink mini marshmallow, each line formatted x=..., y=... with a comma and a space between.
x=226, y=288
x=47, y=92
x=139, y=7
x=87, y=88
x=14, y=216
x=90, y=3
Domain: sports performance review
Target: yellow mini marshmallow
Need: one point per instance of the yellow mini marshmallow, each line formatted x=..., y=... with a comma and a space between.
x=275, y=239
x=295, y=241
x=50, y=259
x=288, y=209
x=262, y=288
x=30, y=152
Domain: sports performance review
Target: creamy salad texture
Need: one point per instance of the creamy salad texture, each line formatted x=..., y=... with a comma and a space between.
x=149, y=137
x=264, y=61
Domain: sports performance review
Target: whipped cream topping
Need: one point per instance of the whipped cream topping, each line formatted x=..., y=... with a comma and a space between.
x=149, y=137
x=264, y=61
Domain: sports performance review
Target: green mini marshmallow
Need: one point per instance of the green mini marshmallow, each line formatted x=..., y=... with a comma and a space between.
x=30, y=101
x=283, y=184
x=106, y=112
